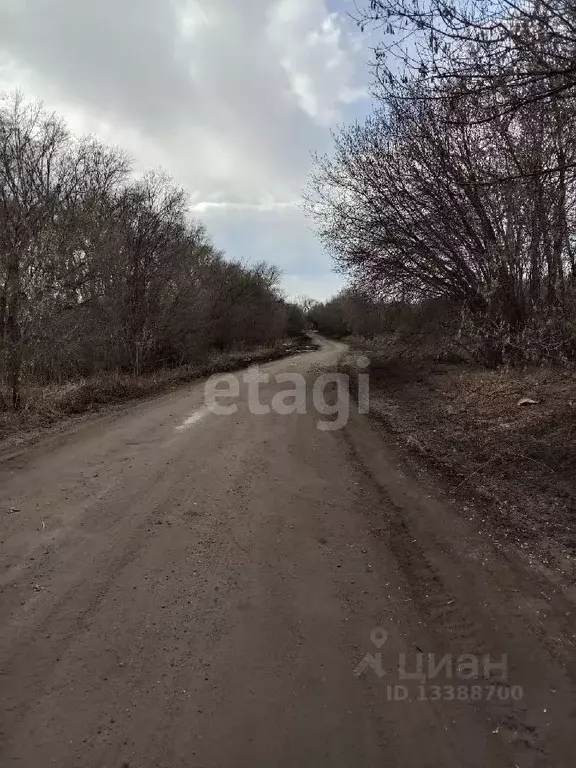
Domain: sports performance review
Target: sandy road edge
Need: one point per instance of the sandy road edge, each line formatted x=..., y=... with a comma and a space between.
x=18, y=442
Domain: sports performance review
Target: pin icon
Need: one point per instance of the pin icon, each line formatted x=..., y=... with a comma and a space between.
x=378, y=636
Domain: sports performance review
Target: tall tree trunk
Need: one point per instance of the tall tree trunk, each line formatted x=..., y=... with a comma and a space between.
x=13, y=330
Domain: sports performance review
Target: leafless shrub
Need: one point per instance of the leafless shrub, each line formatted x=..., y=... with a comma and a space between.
x=101, y=273
x=416, y=206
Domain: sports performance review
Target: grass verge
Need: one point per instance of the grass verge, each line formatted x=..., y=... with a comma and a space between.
x=43, y=406
x=474, y=427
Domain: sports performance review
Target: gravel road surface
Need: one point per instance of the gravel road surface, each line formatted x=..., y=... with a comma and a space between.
x=180, y=588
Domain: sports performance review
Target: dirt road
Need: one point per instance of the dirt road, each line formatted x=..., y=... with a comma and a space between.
x=181, y=588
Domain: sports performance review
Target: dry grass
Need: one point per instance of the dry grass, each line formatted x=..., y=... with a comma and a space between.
x=466, y=422
x=46, y=405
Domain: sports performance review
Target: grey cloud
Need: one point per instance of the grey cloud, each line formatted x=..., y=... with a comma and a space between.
x=118, y=57
x=212, y=89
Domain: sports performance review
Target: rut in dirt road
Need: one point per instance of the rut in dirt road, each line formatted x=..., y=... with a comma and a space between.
x=181, y=588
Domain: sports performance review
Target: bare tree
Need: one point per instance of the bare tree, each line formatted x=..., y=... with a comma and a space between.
x=102, y=272
x=523, y=52
x=32, y=145
x=416, y=204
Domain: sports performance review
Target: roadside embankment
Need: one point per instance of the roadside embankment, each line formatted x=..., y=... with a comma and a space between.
x=505, y=439
x=43, y=406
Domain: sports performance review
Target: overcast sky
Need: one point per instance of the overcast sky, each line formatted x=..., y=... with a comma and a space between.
x=230, y=96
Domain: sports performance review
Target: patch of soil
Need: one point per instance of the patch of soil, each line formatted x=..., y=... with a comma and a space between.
x=516, y=461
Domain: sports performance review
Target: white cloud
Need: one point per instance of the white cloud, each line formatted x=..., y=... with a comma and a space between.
x=203, y=206
x=230, y=97
x=315, y=56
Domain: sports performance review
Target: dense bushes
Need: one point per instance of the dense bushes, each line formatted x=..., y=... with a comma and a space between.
x=101, y=271
x=461, y=185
